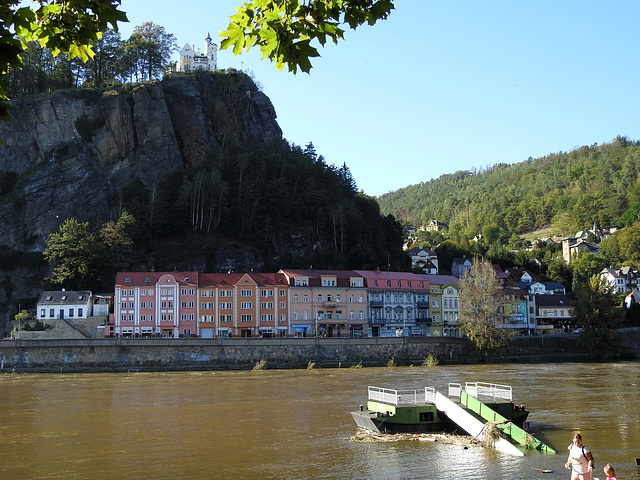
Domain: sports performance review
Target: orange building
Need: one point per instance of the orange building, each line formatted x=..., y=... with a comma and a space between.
x=242, y=305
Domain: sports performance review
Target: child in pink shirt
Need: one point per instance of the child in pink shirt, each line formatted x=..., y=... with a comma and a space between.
x=610, y=472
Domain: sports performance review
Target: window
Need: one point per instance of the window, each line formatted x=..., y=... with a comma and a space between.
x=245, y=318
x=352, y=315
x=183, y=304
x=183, y=291
x=295, y=298
x=267, y=293
x=266, y=305
x=319, y=298
x=43, y=312
x=143, y=304
x=245, y=305
x=296, y=315
x=225, y=318
x=267, y=318
x=71, y=312
x=192, y=305
x=351, y=298
x=225, y=305
x=225, y=293
x=131, y=305
x=283, y=305
x=361, y=314
x=150, y=304
x=305, y=298
x=245, y=293
x=192, y=292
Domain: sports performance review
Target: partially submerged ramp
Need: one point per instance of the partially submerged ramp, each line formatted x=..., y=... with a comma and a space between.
x=473, y=416
x=470, y=423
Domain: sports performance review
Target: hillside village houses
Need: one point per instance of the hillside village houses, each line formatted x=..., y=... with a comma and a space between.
x=423, y=259
x=623, y=279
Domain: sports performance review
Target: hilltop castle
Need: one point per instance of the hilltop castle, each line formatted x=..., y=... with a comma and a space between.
x=192, y=58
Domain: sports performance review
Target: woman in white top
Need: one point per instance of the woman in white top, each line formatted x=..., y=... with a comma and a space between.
x=580, y=460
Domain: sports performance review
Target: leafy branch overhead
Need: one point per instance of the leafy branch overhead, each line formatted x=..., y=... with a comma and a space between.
x=69, y=26
x=284, y=30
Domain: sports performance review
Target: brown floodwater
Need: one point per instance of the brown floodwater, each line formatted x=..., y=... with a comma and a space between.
x=295, y=424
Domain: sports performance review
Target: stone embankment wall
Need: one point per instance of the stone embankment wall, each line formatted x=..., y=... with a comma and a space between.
x=75, y=355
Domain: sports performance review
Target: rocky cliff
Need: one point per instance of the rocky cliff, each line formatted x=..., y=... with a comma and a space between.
x=69, y=154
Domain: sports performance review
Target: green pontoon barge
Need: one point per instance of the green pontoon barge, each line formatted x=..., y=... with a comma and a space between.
x=473, y=408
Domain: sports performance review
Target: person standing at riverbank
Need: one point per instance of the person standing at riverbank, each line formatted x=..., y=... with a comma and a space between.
x=580, y=460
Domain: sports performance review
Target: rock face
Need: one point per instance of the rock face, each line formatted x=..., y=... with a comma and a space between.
x=71, y=153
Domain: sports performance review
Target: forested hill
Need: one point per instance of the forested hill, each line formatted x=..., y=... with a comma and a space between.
x=564, y=191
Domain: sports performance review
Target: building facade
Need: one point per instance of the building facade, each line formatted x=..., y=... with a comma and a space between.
x=63, y=304
x=398, y=303
x=150, y=304
x=326, y=303
x=444, y=299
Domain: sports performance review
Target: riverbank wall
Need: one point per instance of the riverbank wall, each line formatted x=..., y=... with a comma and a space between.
x=78, y=355
x=176, y=354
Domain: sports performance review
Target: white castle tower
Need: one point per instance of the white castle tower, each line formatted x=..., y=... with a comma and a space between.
x=192, y=58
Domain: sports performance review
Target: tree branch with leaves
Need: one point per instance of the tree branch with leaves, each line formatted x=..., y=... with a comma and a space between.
x=284, y=30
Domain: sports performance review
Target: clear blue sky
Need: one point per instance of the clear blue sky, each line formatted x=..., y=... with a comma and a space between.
x=444, y=86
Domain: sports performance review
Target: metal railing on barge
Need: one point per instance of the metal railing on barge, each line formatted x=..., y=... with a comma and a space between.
x=402, y=397
x=496, y=391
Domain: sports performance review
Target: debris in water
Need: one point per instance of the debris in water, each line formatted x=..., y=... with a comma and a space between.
x=367, y=436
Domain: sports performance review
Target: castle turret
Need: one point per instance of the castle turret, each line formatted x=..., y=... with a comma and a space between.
x=211, y=51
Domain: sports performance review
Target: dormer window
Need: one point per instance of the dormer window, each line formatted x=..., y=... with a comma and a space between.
x=127, y=280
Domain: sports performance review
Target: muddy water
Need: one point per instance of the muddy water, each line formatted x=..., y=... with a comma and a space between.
x=296, y=424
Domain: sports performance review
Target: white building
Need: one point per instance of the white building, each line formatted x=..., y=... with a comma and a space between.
x=192, y=58
x=623, y=279
x=60, y=305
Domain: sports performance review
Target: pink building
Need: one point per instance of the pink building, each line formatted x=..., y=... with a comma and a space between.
x=156, y=304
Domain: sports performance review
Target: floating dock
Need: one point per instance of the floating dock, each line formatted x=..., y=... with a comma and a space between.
x=483, y=410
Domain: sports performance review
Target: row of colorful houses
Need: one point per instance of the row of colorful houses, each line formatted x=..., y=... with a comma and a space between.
x=289, y=303
x=323, y=303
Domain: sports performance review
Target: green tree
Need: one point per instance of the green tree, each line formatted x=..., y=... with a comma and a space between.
x=72, y=252
x=104, y=66
x=482, y=310
x=115, y=245
x=64, y=26
x=597, y=312
x=283, y=30
x=150, y=48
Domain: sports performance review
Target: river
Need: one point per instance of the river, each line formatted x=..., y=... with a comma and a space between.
x=295, y=424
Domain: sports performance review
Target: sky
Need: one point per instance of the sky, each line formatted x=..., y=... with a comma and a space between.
x=443, y=86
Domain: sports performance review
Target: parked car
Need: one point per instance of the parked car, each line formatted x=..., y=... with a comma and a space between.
x=578, y=331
